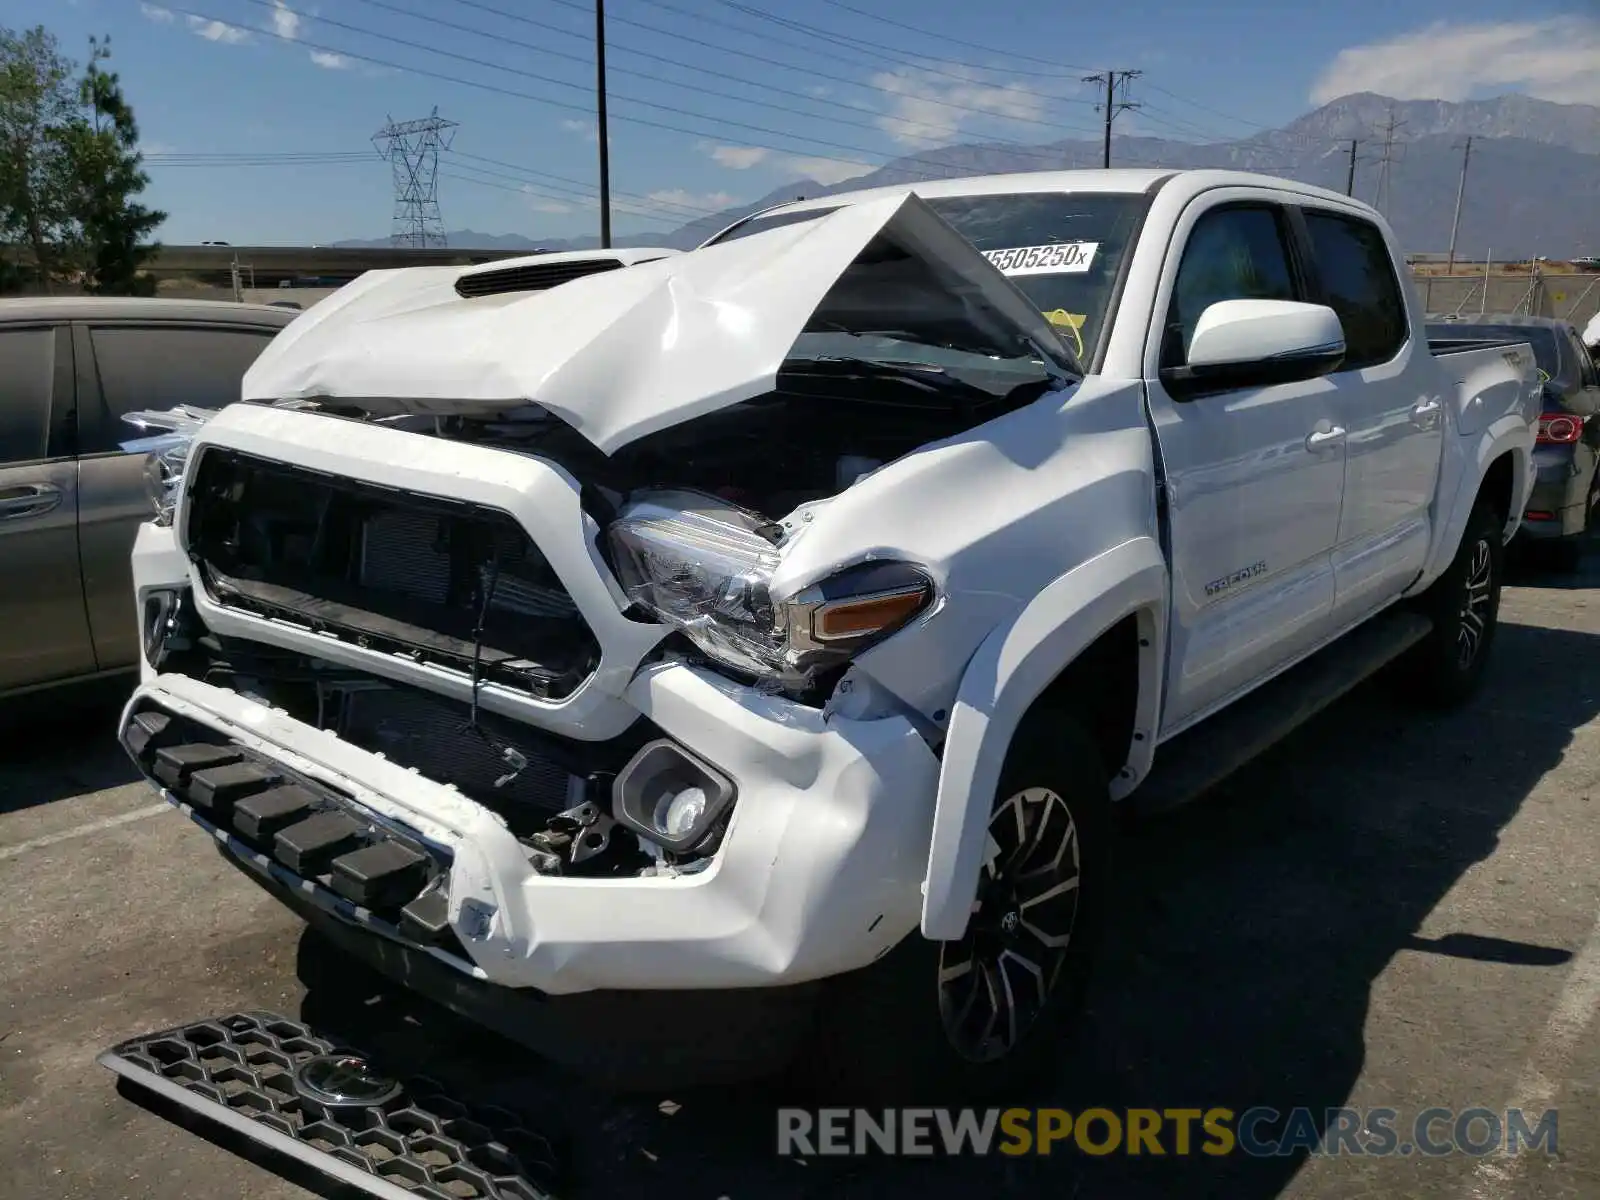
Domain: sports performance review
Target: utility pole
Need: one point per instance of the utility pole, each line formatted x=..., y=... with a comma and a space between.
x=1350, y=179
x=412, y=148
x=601, y=133
x=1112, y=105
x=1455, y=224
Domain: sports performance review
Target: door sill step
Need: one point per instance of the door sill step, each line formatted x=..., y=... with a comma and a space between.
x=1203, y=755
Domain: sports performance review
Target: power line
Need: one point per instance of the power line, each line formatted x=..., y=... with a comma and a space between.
x=978, y=46
x=809, y=72
x=1391, y=127
x=700, y=87
x=571, y=107
x=1113, y=106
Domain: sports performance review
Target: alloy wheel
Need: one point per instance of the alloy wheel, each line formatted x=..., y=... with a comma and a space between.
x=997, y=979
x=1475, y=604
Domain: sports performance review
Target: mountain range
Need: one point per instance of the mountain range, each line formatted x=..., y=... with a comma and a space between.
x=1532, y=184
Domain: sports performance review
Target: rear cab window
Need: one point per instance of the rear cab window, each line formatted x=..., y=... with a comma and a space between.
x=27, y=377
x=140, y=366
x=1358, y=281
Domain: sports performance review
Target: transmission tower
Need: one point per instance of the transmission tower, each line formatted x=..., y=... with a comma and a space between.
x=412, y=148
x=1386, y=163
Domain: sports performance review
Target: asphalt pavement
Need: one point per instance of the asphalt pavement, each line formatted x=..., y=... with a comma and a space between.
x=1389, y=910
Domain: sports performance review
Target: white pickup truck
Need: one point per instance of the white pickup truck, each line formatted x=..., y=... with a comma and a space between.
x=699, y=661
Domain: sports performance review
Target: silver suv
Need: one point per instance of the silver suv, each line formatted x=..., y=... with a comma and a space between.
x=70, y=500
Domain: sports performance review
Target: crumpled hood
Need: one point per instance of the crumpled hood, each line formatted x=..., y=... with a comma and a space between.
x=625, y=353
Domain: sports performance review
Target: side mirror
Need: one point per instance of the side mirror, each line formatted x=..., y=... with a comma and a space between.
x=1257, y=343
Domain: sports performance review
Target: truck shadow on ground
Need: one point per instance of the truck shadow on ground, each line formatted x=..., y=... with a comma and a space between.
x=1249, y=930
x=62, y=743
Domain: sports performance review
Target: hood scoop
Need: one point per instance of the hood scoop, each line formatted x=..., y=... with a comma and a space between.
x=529, y=277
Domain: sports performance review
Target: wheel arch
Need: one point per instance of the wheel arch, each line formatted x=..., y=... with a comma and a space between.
x=1106, y=615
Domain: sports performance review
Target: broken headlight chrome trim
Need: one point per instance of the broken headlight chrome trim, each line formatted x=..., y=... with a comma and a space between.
x=705, y=567
x=169, y=434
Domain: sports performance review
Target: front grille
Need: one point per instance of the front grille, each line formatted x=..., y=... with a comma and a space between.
x=437, y=580
x=533, y=277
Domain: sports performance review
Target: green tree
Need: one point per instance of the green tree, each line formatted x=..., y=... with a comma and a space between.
x=70, y=170
x=37, y=103
x=108, y=175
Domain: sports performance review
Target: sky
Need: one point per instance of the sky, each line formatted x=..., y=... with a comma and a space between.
x=258, y=116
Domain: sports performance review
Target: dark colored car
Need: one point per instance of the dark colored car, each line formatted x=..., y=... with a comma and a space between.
x=1568, y=488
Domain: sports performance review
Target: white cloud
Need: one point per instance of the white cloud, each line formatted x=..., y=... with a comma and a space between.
x=926, y=108
x=285, y=21
x=682, y=198
x=826, y=170
x=218, y=31
x=1555, y=59
x=823, y=170
x=589, y=129
x=543, y=204
x=739, y=158
x=329, y=61
x=154, y=12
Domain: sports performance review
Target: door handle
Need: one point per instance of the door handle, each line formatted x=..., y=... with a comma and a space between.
x=28, y=500
x=1319, y=440
x=1425, y=414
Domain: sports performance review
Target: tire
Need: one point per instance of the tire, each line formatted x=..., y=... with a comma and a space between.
x=908, y=1029
x=1445, y=668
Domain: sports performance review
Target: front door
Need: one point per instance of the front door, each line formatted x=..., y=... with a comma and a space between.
x=44, y=633
x=1253, y=478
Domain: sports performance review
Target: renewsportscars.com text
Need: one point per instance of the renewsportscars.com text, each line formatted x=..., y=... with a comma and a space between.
x=1153, y=1132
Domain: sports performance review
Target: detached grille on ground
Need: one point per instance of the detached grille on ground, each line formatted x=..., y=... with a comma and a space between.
x=334, y=1109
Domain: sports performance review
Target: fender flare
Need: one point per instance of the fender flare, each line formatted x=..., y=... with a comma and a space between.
x=1509, y=433
x=1009, y=671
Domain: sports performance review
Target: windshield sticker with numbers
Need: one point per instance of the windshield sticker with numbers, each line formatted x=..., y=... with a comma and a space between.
x=1063, y=258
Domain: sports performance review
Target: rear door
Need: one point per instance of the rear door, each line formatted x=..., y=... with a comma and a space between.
x=44, y=633
x=125, y=366
x=1253, y=477
x=1388, y=398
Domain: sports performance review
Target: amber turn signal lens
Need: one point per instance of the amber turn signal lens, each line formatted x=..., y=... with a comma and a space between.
x=862, y=615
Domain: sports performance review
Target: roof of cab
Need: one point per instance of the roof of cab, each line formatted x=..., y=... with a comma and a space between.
x=1135, y=180
x=139, y=308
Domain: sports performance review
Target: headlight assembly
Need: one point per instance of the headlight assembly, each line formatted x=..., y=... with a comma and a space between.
x=705, y=567
x=168, y=453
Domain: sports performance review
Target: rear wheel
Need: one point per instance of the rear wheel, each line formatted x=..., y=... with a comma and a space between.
x=1445, y=668
x=960, y=1020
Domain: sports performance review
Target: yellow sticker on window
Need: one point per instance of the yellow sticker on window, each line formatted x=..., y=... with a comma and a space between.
x=1071, y=322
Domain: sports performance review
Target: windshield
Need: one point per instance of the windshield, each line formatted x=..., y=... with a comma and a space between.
x=1063, y=249
x=1546, y=350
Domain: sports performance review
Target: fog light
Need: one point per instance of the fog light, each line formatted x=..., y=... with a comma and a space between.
x=161, y=611
x=670, y=797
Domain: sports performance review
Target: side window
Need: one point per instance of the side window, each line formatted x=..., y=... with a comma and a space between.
x=1232, y=254
x=27, y=372
x=153, y=366
x=1358, y=281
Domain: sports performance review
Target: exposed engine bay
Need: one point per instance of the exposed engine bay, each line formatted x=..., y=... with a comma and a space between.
x=830, y=422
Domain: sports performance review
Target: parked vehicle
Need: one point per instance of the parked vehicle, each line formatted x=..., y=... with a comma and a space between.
x=691, y=662
x=70, y=500
x=1567, y=487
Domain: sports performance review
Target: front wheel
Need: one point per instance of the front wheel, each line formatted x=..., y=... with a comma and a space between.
x=1445, y=668
x=959, y=1021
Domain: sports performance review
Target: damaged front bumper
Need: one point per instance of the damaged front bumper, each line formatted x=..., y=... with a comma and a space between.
x=818, y=873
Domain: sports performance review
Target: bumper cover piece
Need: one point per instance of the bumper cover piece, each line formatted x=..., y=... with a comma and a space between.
x=277, y=1083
